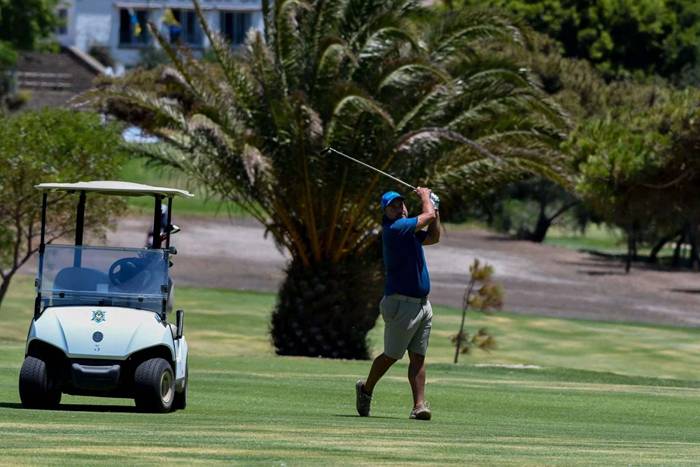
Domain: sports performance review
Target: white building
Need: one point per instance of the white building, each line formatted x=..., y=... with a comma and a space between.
x=120, y=25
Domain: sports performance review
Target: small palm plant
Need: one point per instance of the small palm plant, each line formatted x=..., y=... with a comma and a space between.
x=423, y=95
x=483, y=295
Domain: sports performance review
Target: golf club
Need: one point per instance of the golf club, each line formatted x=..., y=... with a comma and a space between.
x=433, y=197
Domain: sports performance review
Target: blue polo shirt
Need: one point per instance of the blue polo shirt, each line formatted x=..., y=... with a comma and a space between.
x=404, y=261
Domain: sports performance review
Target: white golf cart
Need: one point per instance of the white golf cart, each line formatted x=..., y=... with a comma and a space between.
x=101, y=316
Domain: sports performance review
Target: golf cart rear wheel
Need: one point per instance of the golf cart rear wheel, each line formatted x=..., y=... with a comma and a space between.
x=180, y=402
x=38, y=388
x=154, y=386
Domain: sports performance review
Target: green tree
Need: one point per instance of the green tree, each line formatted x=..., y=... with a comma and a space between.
x=26, y=24
x=638, y=165
x=528, y=207
x=620, y=37
x=50, y=146
x=427, y=98
x=8, y=57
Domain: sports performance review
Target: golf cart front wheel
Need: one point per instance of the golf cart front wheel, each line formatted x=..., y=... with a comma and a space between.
x=154, y=386
x=38, y=388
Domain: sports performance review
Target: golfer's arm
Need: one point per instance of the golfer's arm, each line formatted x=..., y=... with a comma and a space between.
x=426, y=217
x=433, y=236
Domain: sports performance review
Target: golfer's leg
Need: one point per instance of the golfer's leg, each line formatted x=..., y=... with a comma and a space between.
x=416, y=377
x=380, y=365
x=417, y=349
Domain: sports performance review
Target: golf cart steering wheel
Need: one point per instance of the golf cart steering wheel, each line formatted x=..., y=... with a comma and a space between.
x=123, y=271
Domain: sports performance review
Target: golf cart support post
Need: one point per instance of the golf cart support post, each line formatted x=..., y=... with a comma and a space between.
x=109, y=188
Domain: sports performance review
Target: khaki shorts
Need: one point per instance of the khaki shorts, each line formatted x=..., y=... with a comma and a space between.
x=407, y=323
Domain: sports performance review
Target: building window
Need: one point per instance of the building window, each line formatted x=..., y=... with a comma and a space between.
x=235, y=25
x=183, y=26
x=62, y=28
x=133, y=29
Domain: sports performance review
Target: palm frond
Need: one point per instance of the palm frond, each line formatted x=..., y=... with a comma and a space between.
x=289, y=45
x=347, y=111
x=429, y=99
x=426, y=140
x=329, y=65
x=412, y=76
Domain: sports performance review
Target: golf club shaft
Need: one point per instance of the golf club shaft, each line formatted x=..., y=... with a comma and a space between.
x=329, y=149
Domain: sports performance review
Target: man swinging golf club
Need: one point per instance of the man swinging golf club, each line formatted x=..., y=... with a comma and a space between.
x=405, y=307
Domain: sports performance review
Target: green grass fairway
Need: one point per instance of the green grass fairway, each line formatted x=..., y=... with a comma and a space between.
x=597, y=237
x=203, y=204
x=605, y=394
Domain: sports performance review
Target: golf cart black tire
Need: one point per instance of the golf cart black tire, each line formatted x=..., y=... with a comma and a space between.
x=37, y=387
x=180, y=402
x=148, y=384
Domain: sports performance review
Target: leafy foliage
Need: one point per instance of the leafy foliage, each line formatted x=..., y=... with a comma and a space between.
x=639, y=164
x=528, y=206
x=8, y=57
x=426, y=97
x=46, y=146
x=25, y=24
x=621, y=37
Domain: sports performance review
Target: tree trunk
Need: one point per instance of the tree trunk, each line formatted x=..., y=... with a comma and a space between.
x=544, y=222
x=653, y=254
x=676, y=261
x=465, y=306
x=328, y=309
x=541, y=228
x=630, y=249
x=4, y=286
x=694, y=260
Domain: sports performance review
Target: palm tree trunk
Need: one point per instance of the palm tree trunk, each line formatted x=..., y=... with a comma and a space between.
x=327, y=309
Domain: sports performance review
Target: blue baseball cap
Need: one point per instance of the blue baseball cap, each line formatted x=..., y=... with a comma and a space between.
x=388, y=197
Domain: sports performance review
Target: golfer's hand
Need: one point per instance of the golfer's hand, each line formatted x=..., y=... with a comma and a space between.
x=435, y=199
x=424, y=193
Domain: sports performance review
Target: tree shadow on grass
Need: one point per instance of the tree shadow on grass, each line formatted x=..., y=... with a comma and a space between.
x=642, y=262
x=78, y=407
x=601, y=273
x=688, y=291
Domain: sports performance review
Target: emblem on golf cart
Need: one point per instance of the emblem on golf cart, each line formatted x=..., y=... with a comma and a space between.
x=99, y=316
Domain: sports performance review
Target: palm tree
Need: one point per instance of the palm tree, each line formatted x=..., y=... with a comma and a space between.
x=422, y=95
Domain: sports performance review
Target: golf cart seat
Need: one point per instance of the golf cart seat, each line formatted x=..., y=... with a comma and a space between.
x=75, y=278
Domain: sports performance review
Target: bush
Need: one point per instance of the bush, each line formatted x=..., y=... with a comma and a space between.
x=101, y=54
x=51, y=146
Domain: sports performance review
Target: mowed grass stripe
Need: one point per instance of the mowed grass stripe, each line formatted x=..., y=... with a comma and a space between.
x=249, y=407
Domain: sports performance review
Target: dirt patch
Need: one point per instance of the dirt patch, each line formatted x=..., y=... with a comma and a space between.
x=538, y=279
x=555, y=281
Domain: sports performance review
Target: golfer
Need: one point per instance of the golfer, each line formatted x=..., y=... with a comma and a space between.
x=405, y=307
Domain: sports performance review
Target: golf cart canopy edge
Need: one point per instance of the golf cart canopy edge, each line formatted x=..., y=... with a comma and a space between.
x=116, y=188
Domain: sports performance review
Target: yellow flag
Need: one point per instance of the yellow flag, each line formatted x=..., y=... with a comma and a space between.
x=135, y=25
x=169, y=18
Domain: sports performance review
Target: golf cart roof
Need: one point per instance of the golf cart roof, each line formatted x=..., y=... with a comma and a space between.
x=116, y=188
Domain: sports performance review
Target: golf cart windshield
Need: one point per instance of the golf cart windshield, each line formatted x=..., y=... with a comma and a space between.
x=103, y=276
